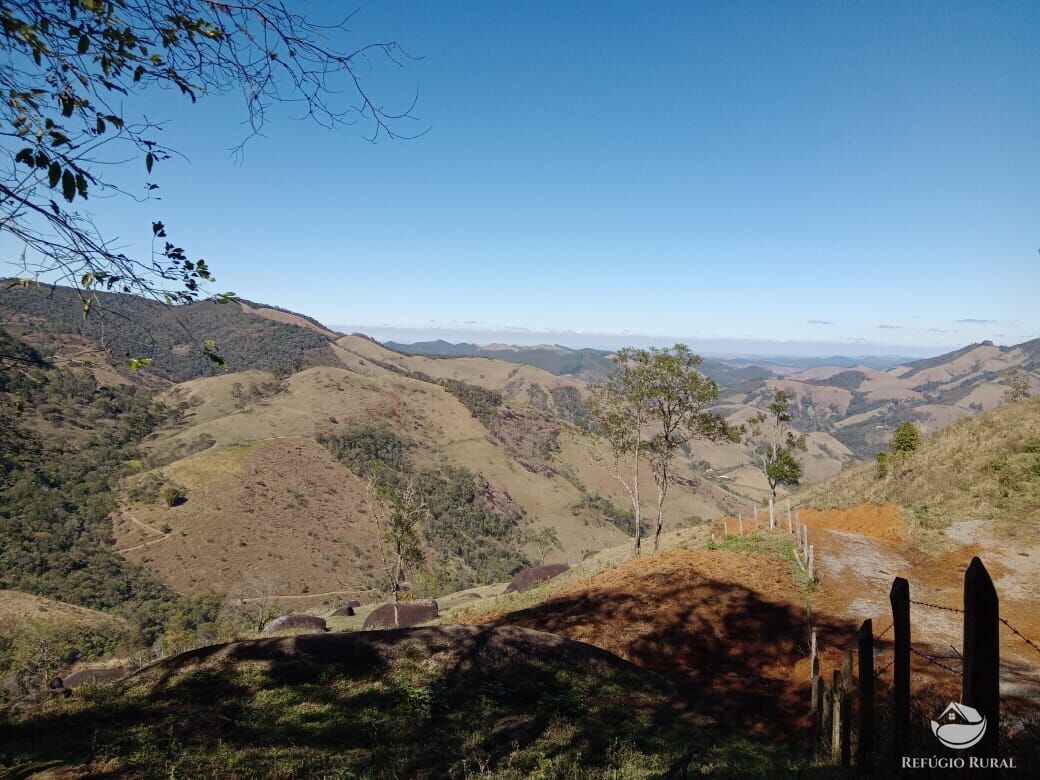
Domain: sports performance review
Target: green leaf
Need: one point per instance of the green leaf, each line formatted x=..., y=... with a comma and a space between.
x=138, y=363
x=54, y=174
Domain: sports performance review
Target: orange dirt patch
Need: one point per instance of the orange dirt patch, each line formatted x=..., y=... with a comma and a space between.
x=728, y=628
x=880, y=521
x=877, y=520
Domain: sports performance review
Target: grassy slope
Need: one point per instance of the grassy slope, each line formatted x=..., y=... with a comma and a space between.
x=17, y=608
x=327, y=400
x=978, y=468
x=439, y=701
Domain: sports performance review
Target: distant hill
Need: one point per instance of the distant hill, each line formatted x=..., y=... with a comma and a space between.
x=860, y=406
x=589, y=363
x=878, y=362
x=247, y=335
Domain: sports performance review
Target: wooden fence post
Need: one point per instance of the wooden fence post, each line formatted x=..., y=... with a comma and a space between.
x=817, y=692
x=841, y=727
x=772, y=513
x=789, y=526
x=725, y=527
x=740, y=522
x=812, y=564
x=900, y=599
x=981, y=669
x=805, y=539
x=826, y=717
x=865, y=741
x=756, y=517
x=814, y=660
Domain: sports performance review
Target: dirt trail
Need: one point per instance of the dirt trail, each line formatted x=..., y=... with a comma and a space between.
x=856, y=570
x=308, y=595
x=163, y=536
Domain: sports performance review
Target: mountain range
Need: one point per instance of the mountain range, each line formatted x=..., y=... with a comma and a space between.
x=270, y=454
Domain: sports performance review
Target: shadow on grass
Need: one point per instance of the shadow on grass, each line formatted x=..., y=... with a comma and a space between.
x=425, y=702
x=729, y=651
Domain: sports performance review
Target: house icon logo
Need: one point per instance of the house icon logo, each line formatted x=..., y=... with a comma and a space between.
x=959, y=727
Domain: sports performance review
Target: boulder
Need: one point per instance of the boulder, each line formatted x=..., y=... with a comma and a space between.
x=295, y=622
x=530, y=577
x=409, y=613
x=92, y=676
x=346, y=610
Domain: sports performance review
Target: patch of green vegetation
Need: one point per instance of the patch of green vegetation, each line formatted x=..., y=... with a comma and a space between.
x=475, y=542
x=366, y=449
x=60, y=473
x=482, y=404
x=569, y=406
x=621, y=518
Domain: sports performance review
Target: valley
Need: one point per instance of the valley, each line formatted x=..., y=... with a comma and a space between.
x=249, y=491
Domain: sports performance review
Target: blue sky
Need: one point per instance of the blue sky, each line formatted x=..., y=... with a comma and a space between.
x=866, y=176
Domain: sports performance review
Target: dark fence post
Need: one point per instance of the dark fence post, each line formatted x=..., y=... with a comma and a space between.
x=826, y=718
x=843, y=729
x=981, y=670
x=900, y=598
x=865, y=741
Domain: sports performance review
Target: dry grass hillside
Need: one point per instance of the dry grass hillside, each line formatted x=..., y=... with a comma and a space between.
x=981, y=468
x=281, y=508
x=24, y=608
x=263, y=496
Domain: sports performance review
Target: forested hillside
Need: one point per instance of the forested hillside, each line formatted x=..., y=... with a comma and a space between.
x=171, y=338
x=66, y=443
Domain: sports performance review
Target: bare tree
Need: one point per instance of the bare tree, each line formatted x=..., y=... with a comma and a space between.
x=256, y=598
x=399, y=514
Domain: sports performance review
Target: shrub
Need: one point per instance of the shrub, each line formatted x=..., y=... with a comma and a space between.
x=172, y=495
x=906, y=438
x=881, y=465
x=146, y=490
